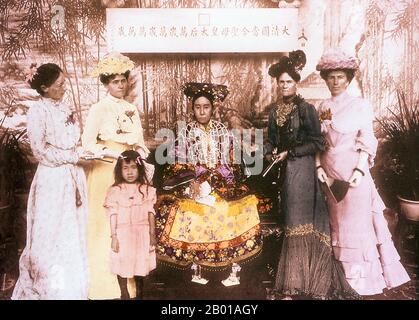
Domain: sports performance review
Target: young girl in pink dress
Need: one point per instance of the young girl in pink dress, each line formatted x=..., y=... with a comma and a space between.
x=361, y=239
x=129, y=204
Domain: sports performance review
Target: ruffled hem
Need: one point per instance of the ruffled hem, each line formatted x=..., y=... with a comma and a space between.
x=395, y=275
x=376, y=232
x=367, y=287
x=372, y=268
x=307, y=267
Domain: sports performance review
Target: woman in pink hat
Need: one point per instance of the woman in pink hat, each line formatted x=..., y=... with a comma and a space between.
x=361, y=239
x=306, y=266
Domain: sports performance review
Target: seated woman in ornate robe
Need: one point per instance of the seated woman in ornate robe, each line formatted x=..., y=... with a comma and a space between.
x=209, y=217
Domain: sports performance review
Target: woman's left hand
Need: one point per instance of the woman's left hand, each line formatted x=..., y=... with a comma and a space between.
x=283, y=155
x=194, y=189
x=355, y=179
x=108, y=153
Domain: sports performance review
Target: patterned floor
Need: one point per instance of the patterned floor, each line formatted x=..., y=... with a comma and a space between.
x=257, y=275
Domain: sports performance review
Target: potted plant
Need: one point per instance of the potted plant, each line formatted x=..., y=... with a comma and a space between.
x=14, y=165
x=400, y=151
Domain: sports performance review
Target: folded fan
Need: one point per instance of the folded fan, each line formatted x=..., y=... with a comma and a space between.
x=182, y=178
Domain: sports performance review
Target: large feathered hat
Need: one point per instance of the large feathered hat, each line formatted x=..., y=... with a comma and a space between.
x=217, y=92
x=291, y=65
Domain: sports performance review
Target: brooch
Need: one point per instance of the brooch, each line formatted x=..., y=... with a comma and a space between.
x=282, y=112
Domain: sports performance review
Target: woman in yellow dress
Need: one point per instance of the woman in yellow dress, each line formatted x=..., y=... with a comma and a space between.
x=113, y=125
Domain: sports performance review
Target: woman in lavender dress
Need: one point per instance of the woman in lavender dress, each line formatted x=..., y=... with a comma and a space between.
x=361, y=239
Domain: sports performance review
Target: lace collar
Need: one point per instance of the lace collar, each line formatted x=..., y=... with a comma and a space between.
x=284, y=109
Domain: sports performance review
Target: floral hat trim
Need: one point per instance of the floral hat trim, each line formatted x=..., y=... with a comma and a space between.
x=217, y=91
x=113, y=63
x=337, y=59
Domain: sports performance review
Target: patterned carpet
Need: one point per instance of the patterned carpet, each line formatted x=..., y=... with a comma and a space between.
x=256, y=276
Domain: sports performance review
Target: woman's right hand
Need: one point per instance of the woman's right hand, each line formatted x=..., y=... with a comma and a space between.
x=143, y=154
x=194, y=189
x=115, y=244
x=321, y=175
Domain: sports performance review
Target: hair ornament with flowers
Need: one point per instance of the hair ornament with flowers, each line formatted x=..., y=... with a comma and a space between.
x=31, y=72
x=138, y=160
x=113, y=63
x=217, y=91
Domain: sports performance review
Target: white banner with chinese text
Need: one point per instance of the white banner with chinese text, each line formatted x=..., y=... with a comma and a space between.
x=202, y=30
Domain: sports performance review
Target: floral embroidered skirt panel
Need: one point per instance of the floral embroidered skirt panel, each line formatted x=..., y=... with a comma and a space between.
x=212, y=236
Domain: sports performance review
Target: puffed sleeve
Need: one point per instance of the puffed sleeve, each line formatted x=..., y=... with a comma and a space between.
x=365, y=140
x=313, y=140
x=44, y=152
x=91, y=130
x=111, y=201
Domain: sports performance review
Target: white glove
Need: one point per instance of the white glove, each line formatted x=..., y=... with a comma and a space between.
x=355, y=179
x=108, y=153
x=321, y=174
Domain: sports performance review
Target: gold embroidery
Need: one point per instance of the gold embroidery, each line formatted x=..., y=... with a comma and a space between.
x=282, y=112
x=247, y=204
x=307, y=229
x=234, y=208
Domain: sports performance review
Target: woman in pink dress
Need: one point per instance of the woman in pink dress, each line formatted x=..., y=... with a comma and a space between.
x=129, y=204
x=361, y=239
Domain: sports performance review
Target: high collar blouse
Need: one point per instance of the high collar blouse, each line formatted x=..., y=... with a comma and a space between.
x=351, y=124
x=113, y=119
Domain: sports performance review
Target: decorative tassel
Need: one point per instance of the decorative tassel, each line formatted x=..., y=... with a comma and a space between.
x=78, y=198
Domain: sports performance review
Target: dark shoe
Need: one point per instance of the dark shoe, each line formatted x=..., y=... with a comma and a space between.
x=124, y=289
x=125, y=296
x=139, y=286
